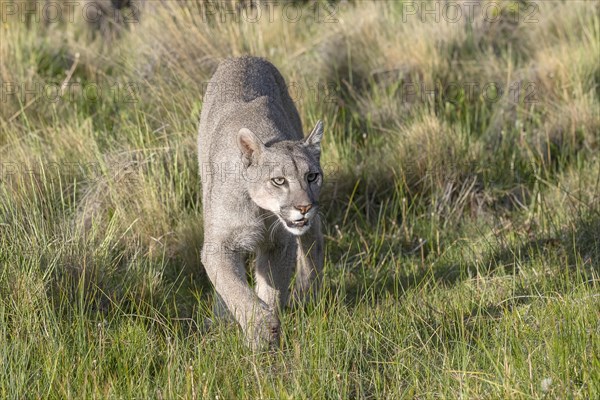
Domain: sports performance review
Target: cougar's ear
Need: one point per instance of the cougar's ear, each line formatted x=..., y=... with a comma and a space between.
x=249, y=144
x=314, y=139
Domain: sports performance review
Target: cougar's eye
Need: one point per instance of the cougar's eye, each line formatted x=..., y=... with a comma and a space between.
x=278, y=181
x=312, y=176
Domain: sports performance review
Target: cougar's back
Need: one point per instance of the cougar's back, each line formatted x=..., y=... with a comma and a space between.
x=245, y=92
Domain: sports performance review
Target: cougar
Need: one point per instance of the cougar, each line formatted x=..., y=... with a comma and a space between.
x=261, y=180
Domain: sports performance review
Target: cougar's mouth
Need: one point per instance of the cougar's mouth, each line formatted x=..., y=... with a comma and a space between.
x=299, y=223
x=296, y=227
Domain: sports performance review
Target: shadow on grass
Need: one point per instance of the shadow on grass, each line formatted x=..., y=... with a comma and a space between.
x=577, y=249
x=164, y=292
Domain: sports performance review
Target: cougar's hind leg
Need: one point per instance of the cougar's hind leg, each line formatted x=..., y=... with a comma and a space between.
x=274, y=270
x=310, y=259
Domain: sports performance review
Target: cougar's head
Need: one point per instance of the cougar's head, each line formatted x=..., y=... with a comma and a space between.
x=285, y=177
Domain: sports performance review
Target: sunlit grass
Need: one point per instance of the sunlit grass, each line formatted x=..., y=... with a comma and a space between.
x=462, y=233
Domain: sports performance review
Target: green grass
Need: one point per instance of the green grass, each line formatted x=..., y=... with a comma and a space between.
x=462, y=234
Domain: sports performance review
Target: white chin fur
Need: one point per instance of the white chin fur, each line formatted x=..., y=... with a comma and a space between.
x=297, y=231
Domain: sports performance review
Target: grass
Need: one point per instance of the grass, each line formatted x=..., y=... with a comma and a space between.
x=462, y=229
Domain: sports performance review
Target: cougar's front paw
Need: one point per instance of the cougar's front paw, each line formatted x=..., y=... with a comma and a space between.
x=264, y=333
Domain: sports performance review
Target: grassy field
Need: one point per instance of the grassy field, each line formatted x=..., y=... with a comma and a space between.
x=462, y=225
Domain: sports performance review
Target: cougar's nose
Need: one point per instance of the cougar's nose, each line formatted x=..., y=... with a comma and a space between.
x=303, y=209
